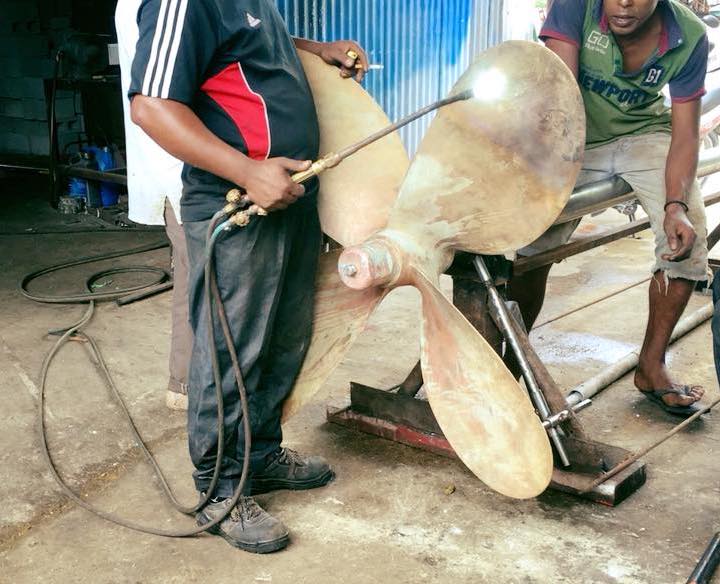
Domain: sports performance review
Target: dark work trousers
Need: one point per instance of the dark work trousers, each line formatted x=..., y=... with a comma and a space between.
x=266, y=276
x=716, y=324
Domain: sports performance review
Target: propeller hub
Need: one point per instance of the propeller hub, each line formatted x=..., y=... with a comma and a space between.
x=368, y=265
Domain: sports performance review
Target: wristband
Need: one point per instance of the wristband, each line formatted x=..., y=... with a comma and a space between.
x=683, y=204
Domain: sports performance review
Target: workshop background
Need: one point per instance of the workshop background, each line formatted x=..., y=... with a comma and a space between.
x=422, y=46
x=394, y=514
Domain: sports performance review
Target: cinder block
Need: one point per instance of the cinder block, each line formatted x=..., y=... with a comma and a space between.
x=22, y=88
x=20, y=66
x=59, y=23
x=12, y=108
x=40, y=145
x=20, y=126
x=19, y=10
x=10, y=67
x=29, y=45
x=14, y=143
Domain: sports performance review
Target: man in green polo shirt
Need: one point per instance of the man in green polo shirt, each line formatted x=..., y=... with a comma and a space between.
x=623, y=53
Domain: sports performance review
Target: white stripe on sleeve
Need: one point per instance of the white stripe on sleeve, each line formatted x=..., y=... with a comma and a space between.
x=152, y=61
x=165, y=91
x=164, y=48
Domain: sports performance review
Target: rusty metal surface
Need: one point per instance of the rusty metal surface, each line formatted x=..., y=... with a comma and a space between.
x=393, y=407
x=553, y=394
x=470, y=297
x=434, y=443
x=485, y=415
x=589, y=458
x=411, y=385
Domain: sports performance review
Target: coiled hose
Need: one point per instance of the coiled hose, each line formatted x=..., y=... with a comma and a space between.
x=75, y=332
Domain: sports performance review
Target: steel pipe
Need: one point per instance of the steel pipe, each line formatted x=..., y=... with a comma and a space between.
x=607, y=376
x=502, y=319
x=600, y=195
x=89, y=173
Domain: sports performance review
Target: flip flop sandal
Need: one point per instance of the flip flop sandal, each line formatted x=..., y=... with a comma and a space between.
x=656, y=395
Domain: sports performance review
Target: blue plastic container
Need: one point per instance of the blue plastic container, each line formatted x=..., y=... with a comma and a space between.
x=109, y=192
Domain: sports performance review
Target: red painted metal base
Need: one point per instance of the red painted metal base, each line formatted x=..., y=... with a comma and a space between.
x=573, y=481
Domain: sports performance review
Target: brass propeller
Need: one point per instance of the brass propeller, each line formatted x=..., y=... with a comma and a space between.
x=354, y=202
x=491, y=175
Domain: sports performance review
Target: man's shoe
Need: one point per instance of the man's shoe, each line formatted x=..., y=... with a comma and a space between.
x=248, y=526
x=289, y=470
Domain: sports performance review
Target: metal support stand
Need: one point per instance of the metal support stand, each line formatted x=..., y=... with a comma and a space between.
x=401, y=415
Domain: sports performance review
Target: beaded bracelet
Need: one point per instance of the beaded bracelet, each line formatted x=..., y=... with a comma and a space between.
x=683, y=204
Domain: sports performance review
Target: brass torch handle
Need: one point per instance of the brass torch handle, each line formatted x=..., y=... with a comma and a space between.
x=318, y=167
x=302, y=176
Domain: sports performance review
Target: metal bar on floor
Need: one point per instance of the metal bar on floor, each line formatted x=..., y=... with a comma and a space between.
x=600, y=195
x=525, y=264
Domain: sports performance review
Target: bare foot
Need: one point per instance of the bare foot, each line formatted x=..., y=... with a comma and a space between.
x=647, y=379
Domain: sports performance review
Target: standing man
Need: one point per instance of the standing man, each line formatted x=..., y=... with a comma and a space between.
x=154, y=190
x=623, y=52
x=218, y=84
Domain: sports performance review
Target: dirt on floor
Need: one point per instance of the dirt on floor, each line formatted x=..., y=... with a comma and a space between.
x=394, y=514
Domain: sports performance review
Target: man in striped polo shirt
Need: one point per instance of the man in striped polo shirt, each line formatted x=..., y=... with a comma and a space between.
x=219, y=84
x=623, y=53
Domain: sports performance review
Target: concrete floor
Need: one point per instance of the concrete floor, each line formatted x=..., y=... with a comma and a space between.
x=387, y=517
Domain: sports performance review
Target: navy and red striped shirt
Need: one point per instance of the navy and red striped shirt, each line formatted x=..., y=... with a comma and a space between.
x=235, y=65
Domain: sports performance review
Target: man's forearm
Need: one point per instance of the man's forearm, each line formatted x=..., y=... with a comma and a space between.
x=177, y=129
x=681, y=169
x=682, y=158
x=307, y=45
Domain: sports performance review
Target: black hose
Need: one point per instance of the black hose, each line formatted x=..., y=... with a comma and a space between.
x=73, y=332
x=91, y=296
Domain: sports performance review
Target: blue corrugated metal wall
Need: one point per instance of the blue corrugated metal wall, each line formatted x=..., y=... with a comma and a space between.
x=423, y=45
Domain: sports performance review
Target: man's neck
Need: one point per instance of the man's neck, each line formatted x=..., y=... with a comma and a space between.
x=648, y=33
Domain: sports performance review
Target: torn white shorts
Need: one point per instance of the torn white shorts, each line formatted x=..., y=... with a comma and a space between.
x=640, y=160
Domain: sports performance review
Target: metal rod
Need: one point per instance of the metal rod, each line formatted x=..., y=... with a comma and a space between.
x=334, y=158
x=352, y=149
x=607, y=376
x=713, y=237
x=708, y=563
x=527, y=263
x=504, y=324
x=89, y=173
x=603, y=194
x=555, y=420
x=638, y=455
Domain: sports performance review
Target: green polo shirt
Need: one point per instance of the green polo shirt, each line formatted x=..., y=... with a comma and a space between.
x=620, y=104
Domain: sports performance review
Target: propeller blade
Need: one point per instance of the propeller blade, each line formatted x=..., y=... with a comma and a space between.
x=483, y=412
x=356, y=197
x=495, y=171
x=340, y=316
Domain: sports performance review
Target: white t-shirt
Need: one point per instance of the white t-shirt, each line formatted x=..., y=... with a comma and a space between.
x=153, y=174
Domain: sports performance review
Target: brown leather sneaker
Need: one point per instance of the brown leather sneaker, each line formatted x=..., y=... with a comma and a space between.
x=288, y=469
x=248, y=527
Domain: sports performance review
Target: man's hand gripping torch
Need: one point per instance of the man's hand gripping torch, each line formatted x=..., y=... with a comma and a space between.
x=489, y=86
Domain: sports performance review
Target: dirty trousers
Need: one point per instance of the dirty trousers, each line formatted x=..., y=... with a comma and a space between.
x=640, y=160
x=266, y=276
x=181, y=335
